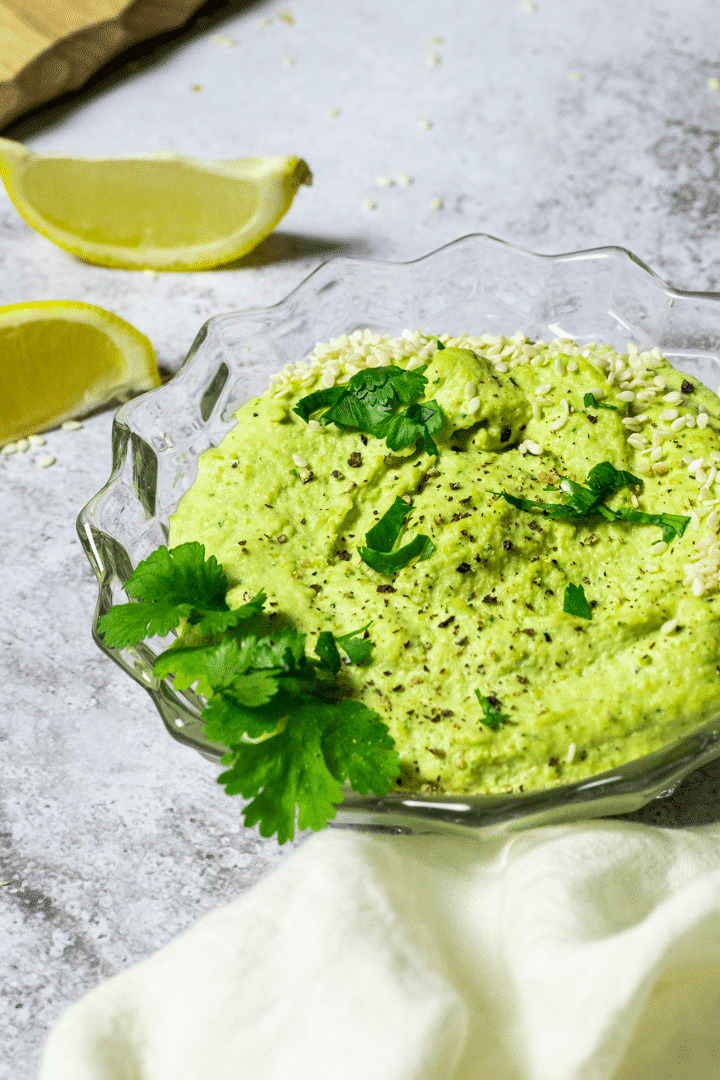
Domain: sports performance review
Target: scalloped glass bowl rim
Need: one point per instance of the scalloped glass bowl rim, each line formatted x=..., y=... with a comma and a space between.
x=618, y=791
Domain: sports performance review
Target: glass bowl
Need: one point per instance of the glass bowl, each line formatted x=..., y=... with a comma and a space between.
x=476, y=284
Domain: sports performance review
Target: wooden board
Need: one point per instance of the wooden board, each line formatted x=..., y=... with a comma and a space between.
x=48, y=47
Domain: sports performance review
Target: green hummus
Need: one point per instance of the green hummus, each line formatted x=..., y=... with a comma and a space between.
x=284, y=505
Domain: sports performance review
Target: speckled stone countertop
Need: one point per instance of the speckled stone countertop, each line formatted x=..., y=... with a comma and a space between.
x=553, y=125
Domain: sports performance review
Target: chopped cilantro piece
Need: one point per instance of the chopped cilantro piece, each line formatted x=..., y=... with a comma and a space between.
x=368, y=402
x=291, y=745
x=380, y=540
x=492, y=717
x=582, y=501
x=575, y=603
x=591, y=402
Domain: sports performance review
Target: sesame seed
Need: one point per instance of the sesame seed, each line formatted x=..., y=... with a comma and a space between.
x=473, y=405
x=544, y=389
x=661, y=468
x=9, y=448
x=673, y=398
x=689, y=420
x=369, y=204
x=404, y=179
x=701, y=476
x=702, y=420
x=470, y=391
x=570, y=756
x=656, y=453
x=637, y=440
x=385, y=181
x=537, y=410
x=698, y=586
x=501, y=367
x=533, y=447
x=678, y=425
x=558, y=423
x=659, y=548
x=36, y=440
x=315, y=426
x=626, y=395
x=669, y=414
x=712, y=521
x=669, y=627
x=300, y=461
x=646, y=395
x=436, y=203
x=596, y=391
x=22, y=446
x=46, y=461
x=572, y=365
x=559, y=365
x=694, y=464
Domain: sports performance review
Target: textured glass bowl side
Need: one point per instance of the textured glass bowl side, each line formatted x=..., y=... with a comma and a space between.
x=477, y=284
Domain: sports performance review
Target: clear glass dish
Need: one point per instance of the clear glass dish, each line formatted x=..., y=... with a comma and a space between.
x=476, y=284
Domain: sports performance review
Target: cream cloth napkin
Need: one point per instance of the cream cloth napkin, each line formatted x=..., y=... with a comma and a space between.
x=578, y=952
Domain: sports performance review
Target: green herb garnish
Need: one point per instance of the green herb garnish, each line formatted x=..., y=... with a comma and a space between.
x=381, y=539
x=368, y=402
x=492, y=717
x=583, y=501
x=291, y=744
x=575, y=603
x=591, y=402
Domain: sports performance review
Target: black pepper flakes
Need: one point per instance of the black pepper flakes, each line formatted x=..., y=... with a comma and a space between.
x=344, y=555
x=489, y=599
x=454, y=487
x=687, y=387
x=463, y=568
x=363, y=440
x=507, y=545
x=446, y=622
x=355, y=460
x=281, y=538
x=505, y=434
x=337, y=475
x=385, y=588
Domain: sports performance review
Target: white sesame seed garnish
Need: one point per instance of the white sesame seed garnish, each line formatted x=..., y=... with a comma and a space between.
x=638, y=441
x=661, y=468
x=46, y=460
x=678, y=425
x=713, y=521
x=9, y=448
x=436, y=203
x=630, y=423
x=570, y=756
x=499, y=366
x=544, y=389
x=385, y=181
x=702, y=420
x=473, y=405
x=559, y=365
x=537, y=410
x=626, y=395
x=673, y=398
x=690, y=420
x=669, y=627
x=533, y=447
x=659, y=382
x=558, y=422
x=314, y=425
x=701, y=476
x=416, y=362
x=470, y=390
x=669, y=414
x=300, y=461
x=596, y=391
x=22, y=446
x=657, y=453
x=369, y=204
x=404, y=179
x=36, y=440
x=659, y=548
x=572, y=365
x=698, y=586
x=693, y=464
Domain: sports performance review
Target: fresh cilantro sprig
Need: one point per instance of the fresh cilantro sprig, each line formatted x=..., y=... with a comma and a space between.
x=378, y=552
x=575, y=602
x=585, y=500
x=591, y=402
x=492, y=717
x=369, y=402
x=291, y=744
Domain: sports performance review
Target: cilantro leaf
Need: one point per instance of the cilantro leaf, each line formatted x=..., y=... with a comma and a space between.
x=291, y=745
x=591, y=402
x=304, y=765
x=368, y=403
x=439, y=345
x=418, y=421
x=575, y=603
x=320, y=399
x=327, y=653
x=492, y=717
x=358, y=649
x=384, y=533
x=583, y=501
x=380, y=540
x=390, y=562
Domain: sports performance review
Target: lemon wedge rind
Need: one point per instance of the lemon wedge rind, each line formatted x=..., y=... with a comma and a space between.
x=156, y=211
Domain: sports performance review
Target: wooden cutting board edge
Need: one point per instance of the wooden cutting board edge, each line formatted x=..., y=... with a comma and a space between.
x=67, y=63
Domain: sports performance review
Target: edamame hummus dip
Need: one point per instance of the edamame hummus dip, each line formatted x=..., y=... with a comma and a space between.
x=558, y=615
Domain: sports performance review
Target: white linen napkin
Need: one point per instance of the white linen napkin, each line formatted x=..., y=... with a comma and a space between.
x=579, y=952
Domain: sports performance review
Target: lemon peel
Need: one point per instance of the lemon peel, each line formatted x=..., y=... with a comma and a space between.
x=60, y=359
x=155, y=212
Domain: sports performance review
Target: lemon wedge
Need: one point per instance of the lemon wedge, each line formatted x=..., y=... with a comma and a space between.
x=60, y=359
x=160, y=212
